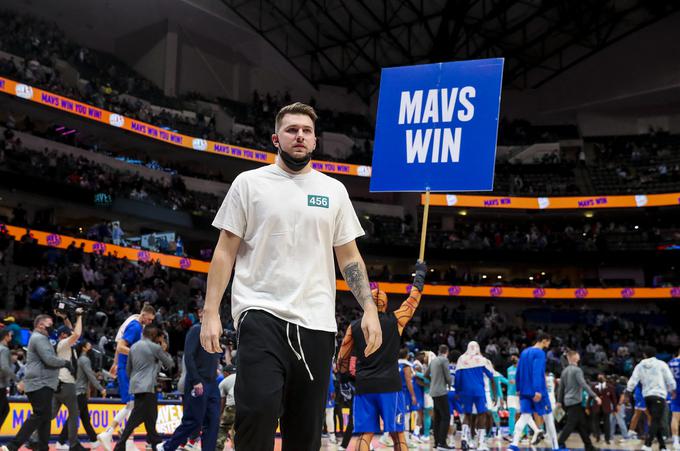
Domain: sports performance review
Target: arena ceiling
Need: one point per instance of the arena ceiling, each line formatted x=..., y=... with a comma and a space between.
x=347, y=42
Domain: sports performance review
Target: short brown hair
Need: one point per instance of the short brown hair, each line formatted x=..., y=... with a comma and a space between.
x=40, y=318
x=295, y=108
x=148, y=308
x=571, y=353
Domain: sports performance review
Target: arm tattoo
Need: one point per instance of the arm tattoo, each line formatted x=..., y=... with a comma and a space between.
x=356, y=279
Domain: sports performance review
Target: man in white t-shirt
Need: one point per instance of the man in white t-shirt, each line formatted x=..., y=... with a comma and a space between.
x=279, y=225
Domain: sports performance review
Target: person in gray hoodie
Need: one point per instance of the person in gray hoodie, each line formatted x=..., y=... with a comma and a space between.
x=40, y=382
x=657, y=381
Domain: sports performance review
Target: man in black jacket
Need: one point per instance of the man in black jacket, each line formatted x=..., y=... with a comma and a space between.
x=201, y=393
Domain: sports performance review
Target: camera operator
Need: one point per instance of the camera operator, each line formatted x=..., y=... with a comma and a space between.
x=6, y=371
x=66, y=390
x=86, y=377
x=40, y=382
x=142, y=367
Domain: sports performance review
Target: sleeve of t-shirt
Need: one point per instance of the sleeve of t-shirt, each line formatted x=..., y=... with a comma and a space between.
x=224, y=388
x=132, y=332
x=232, y=213
x=347, y=226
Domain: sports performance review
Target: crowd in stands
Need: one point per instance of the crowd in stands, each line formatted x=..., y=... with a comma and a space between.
x=558, y=235
x=634, y=165
x=42, y=44
x=646, y=164
x=89, y=176
x=119, y=288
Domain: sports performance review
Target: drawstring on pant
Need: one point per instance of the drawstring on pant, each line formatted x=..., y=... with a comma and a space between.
x=300, y=355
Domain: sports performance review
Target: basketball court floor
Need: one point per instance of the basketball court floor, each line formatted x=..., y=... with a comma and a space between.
x=573, y=444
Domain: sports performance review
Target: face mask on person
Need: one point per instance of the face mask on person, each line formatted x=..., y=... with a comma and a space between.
x=294, y=164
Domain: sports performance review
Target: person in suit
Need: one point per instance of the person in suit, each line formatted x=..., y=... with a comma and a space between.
x=601, y=412
x=144, y=362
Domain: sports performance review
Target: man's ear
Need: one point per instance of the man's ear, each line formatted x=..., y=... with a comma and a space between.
x=275, y=140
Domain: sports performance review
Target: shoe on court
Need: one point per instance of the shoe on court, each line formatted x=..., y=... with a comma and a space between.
x=61, y=446
x=106, y=440
x=159, y=447
x=386, y=440
x=538, y=438
x=483, y=446
x=513, y=448
x=95, y=445
x=130, y=445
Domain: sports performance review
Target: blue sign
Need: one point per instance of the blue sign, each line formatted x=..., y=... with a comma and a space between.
x=437, y=126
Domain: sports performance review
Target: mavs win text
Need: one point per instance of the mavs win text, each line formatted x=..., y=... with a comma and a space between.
x=441, y=108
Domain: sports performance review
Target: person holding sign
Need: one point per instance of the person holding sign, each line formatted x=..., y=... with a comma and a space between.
x=379, y=394
x=279, y=226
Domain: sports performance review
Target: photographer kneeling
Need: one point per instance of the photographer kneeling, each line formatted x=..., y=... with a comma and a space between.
x=40, y=382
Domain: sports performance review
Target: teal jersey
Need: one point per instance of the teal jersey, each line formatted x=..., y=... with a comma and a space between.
x=499, y=380
x=512, y=380
x=424, y=379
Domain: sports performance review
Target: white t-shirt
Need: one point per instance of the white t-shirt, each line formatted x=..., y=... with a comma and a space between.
x=289, y=224
x=64, y=352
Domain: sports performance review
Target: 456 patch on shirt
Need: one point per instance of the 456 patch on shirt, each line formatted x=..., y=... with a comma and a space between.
x=314, y=200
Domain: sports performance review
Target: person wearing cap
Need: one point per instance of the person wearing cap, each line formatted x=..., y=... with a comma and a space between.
x=66, y=390
x=6, y=371
x=201, y=401
x=86, y=378
x=11, y=325
x=228, y=406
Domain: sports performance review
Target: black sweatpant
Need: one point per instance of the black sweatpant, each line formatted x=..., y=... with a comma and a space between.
x=576, y=421
x=656, y=407
x=145, y=411
x=442, y=418
x=4, y=405
x=40, y=419
x=84, y=413
x=273, y=384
